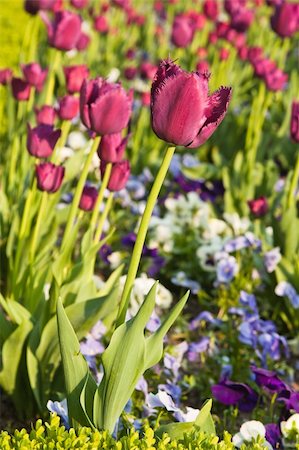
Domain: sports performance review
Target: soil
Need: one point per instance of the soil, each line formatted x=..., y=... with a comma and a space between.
x=8, y=416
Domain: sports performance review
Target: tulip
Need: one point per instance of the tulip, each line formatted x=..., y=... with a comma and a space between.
x=210, y=9
x=294, y=128
x=33, y=6
x=20, y=89
x=5, y=76
x=148, y=70
x=202, y=66
x=130, y=72
x=104, y=107
x=65, y=31
x=112, y=147
x=79, y=4
x=88, y=198
x=285, y=21
x=182, y=31
x=41, y=140
x=182, y=111
x=75, y=75
x=101, y=24
x=224, y=54
x=242, y=19
x=258, y=207
x=34, y=74
x=83, y=41
x=45, y=115
x=68, y=107
x=275, y=80
x=120, y=173
x=49, y=177
x=146, y=98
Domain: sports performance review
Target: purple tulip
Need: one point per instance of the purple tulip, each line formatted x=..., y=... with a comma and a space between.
x=119, y=175
x=182, y=31
x=34, y=74
x=112, y=147
x=5, y=76
x=104, y=107
x=45, y=115
x=68, y=107
x=232, y=393
x=285, y=21
x=33, y=6
x=75, y=75
x=64, y=32
x=241, y=19
x=41, y=140
x=294, y=127
x=20, y=89
x=182, y=111
x=49, y=177
x=210, y=9
x=88, y=198
x=268, y=379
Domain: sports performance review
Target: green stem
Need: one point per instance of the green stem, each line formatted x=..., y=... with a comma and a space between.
x=39, y=219
x=95, y=212
x=65, y=129
x=294, y=184
x=13, y=161
x=31, y=100
x=143, y=227
x=51, y=78
x=78, y=192
x=103, y=217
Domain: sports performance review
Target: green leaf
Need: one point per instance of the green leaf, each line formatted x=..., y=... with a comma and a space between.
x=175, y=430
x=204, y=419
x=74, y=366
x=17, y=313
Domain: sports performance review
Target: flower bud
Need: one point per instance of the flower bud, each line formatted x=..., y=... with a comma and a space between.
x=65, y=31
x=68, y=107
x=88, y=198
x=294, y=128
x=49, y=177
x=119, y=175
x=41, y=140
x=104, y=107
x=258, y=207
x=75, y=75
x=34, y=75
x=5, y=76
x=112, y=147
x=285, y=21
x=45, y=115
x=20, y=89
x=182, y=31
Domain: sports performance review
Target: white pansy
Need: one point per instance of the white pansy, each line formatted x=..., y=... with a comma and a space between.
x=188, y=416
x=64, y=153
x=76, y=140
x=115, y=259
x=291, y=424
x=238, y=224
x=249, y=432
x=215, y=228
x=113, y=75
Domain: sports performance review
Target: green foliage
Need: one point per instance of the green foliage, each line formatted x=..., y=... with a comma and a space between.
x=53, y=436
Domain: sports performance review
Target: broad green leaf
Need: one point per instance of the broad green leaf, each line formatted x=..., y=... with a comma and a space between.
x=15, y=310
x=204, y=419
x=6, y=328
x=175, y=430
x=74, y=366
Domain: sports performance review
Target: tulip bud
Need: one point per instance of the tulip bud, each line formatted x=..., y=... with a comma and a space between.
x=258, y=207
x=294, y=128
x=104, y=107
x=5, y=76
x=34, y=74
x=146, y=98
x=83, y=42
x=75, y=75
x=285, y=21
x=130, y=72
x=49, y=177
x=41, y=140
x=101, y=24
x=119, y=175
x=148, y=70
x=182, y=31
x=65, y=31
x=45, y=115
x=68, y=107
x=112, y=147
x=173, y=119
x=20, y=89
x=88, y=198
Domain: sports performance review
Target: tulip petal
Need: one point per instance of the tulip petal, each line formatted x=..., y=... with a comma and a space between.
x=178, y=107
x=215, y=112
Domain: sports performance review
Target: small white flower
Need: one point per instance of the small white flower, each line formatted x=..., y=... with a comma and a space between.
x=161, y=400
x=76, y=140
x=115, y=259
x=290, y=424
x=113, y=75
x=249, y=432
x=188, y=416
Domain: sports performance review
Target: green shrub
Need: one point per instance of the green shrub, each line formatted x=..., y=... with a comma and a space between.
x=54, y=436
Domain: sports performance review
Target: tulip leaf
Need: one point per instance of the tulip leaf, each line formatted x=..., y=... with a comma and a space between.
x=204, y=419
x=75, y=368
x=175, y=430
x=16, y=312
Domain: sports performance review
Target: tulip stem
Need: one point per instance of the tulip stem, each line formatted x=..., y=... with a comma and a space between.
x=105, y=181
x=78, y=192
x=51, y=78
x=65, y=128
x=294, y=184
x=143, y=227
x=103, y=217
x=40, y=216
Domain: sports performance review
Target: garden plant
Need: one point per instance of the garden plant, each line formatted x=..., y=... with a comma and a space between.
x=149, y=217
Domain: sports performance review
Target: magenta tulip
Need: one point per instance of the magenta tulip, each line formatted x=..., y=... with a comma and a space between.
x=20, y=89
x=101, y=24
x=182, y=111
x=210, y=8
x=119, y=175
x=294, y=128
x=285, y=21
x=49, y=177
x=79, y=4
x=41, y=140
x=45, y=115
x=148, y=70
x=104, y=107
x=65, y=31
x=112, y=147
x=276, y=79
x=259, y=206
x=88, y=198
x=68, y=107
x=33, y=6
x=34, y=74
x=182, y=31
x=83, y=41
x=75, y=75
x=5, y=76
